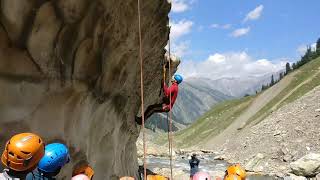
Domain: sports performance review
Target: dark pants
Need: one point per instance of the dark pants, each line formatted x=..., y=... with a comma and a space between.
x=156, y=108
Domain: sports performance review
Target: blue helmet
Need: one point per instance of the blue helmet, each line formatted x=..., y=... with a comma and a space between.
x=178, y=78
x=55, y=157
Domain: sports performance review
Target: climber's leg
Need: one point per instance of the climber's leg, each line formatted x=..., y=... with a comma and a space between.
x=156, y=108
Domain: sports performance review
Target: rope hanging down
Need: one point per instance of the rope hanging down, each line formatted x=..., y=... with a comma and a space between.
x=142, y=94
x=170, y=113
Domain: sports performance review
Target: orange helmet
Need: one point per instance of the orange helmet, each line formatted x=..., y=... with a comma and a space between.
x=126, y=178
x=156, y=177
x=237, y=170
x=86, y=169
x=23, y=152
x=232, y=177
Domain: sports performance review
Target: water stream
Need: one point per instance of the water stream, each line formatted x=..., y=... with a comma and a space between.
x=207, y=164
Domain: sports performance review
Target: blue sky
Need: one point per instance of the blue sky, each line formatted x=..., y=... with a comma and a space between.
x=269, y=32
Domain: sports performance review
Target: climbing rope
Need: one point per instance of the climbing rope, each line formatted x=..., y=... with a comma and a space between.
x=170, y=113
x=141, y=91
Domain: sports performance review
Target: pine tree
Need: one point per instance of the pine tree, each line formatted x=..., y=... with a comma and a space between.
x=280, y=76
x=318, y=48
x=294, y=66
x=288, y=68
x=272, y=81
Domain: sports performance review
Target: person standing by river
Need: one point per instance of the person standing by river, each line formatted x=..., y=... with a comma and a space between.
x=194, y=165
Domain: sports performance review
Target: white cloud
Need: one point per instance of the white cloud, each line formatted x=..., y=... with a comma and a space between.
x=181, y=48
x=221, y=26
x=232, y=64
x=254, y=14
x=217, y=58
x=314, y=46
x=302, y=49
x=180, y=28
x=179, y=6
x=240, y=32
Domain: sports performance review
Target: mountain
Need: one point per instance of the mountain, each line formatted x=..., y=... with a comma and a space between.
x=236, y=86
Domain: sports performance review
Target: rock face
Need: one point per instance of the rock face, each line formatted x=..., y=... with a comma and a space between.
x=308, y=165
x=69, y=71
x=284, y=137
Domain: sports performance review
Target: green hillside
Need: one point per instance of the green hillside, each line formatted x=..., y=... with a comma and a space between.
x=211, y=123
x=305, y=79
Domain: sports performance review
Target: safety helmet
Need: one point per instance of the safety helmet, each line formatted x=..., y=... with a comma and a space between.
x=23, y=152
x=55, y=157
x=85, y=169
x=126, y=178
x=156, y=177
x=237, y=170
x=201, y=176
x=80, y=177
x=178, y=78
x=232, y=177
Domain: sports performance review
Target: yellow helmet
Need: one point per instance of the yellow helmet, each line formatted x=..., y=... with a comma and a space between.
x=237, y=170
x=232, y=177
x=156, y=177
x=126, y=178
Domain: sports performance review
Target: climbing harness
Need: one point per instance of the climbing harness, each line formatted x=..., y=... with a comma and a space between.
x=141, y=91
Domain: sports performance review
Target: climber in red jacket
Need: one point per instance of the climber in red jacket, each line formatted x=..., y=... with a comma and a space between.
x=165, y=106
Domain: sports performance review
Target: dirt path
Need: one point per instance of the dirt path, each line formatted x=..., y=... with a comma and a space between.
x=255, y=107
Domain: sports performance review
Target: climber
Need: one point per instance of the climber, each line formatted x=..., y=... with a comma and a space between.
x=235, y=171
x=21, y=156
x=83, y=169
x=194, y=165
x=55, y=157
x=165, y=106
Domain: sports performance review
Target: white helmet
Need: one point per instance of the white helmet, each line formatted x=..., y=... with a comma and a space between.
x=80, y=177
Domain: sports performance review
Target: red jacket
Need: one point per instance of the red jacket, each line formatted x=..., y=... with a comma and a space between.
x=173, y=89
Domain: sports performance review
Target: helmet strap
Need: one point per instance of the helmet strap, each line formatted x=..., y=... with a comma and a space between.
x=7, y=149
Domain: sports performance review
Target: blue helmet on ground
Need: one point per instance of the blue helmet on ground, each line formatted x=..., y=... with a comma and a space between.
x=55, y=157
x=178, y=78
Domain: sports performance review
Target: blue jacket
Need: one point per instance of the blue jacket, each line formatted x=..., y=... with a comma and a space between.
x=36, y=175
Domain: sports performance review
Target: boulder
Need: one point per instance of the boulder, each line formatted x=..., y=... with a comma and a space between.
x=220, y=157
x=308, y=165
x=294, y=177
x=254, y=163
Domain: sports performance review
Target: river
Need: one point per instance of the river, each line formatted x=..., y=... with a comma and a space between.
x=215, y=168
